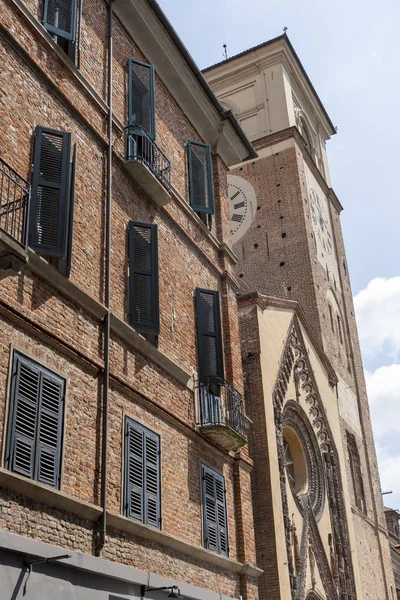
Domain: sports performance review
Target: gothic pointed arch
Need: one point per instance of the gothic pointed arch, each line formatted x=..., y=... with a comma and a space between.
x=295, y=362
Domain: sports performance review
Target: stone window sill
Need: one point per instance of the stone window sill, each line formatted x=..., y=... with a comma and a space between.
x=51, y=497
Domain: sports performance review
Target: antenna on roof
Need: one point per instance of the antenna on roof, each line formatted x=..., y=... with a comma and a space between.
x=225, y=52
x=285, y=29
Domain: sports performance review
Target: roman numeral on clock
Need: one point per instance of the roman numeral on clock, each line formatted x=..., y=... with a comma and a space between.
x=236, y=217
x=234, y=195
x=239, y=205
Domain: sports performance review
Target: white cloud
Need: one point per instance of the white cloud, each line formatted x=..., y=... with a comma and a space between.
x=384, y=397
x=378, y=317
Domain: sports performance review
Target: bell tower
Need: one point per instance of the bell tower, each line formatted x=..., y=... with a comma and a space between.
x=286, y=233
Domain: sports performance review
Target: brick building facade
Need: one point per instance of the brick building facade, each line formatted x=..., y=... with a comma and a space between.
x=119, y=320
x=286, y=229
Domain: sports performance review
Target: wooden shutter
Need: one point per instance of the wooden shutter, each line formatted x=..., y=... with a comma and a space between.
x=141, y=103
x=48, y=453
x=50, y=190
x=209, y=337
x=214, y=511
x=35, y=425
x=152, y=476
x=64, y=264
x=142, y=474
x=59, y=17
x=143, y=278
x=134, y=477
x=23, y=421
x=200, y=178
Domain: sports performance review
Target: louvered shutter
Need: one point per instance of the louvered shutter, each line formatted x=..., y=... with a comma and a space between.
x=64, y=264
x=36, y=420
x=214, y=511
x=143, y=312
x=134, y=478
x=59, y=17
x=50, y=189
x=48, y=455
x=23, y=422
x=141, y=103
x=152, y=476
x=209, y=337
x=142, y=474
x=200, y=178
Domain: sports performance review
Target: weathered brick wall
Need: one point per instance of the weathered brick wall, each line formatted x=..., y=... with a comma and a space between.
x=273, y=254
x=37, y=88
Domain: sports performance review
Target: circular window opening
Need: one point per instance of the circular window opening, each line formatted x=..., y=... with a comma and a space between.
x=295, y=462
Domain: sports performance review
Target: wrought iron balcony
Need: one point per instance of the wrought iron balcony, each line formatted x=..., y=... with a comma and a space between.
x=222, y=414
x=148, y=165
x=14, y=214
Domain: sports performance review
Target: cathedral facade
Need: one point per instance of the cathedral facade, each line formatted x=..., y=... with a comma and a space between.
x=320, y=530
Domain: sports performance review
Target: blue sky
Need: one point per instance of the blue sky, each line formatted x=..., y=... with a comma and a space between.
x=350, y=51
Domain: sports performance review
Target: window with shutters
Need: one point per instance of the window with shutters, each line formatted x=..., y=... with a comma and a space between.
x=209, y=335
x=141, y=104
x=35, y=426
x=143, y=302
x=142, y=474
x=60, y=19
x=52, y=197
x=215, y=525
x=200, y=180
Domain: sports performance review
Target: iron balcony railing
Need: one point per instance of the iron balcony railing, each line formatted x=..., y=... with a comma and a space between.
x=140, y=147
x=14, y=204
x=222, y=404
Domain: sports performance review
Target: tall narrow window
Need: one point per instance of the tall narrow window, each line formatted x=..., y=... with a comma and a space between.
x=331, y=317
x=209, y=337
x=339, y=326
x=143, y=312
x=35, y=426
x=60, y=19
x=214, y=511
x=356, y=475
x=141, y=104
x=142, y=474
x=52, y=200
x=200, y=178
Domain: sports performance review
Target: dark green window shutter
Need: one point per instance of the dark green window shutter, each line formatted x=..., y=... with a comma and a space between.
x=141, y=103
x=35, y=422
x=142, y=474
x=214, y=512
x=50, y=192
x=209, y=337
x=48, y=452
x=200, y=178
x=143, y=278
x=59, y=17
x=64, y=264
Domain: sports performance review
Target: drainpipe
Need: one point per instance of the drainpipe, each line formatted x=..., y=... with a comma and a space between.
x=106, y=372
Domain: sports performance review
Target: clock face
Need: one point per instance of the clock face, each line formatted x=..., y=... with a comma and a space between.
x=238, y=206
x=242, y=205
x=320, y=221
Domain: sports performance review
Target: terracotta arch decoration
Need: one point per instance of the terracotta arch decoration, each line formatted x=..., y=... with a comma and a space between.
x=295, y=360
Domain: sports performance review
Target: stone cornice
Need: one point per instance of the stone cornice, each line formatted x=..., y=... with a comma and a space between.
x=293, y=132
x=275, y=52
